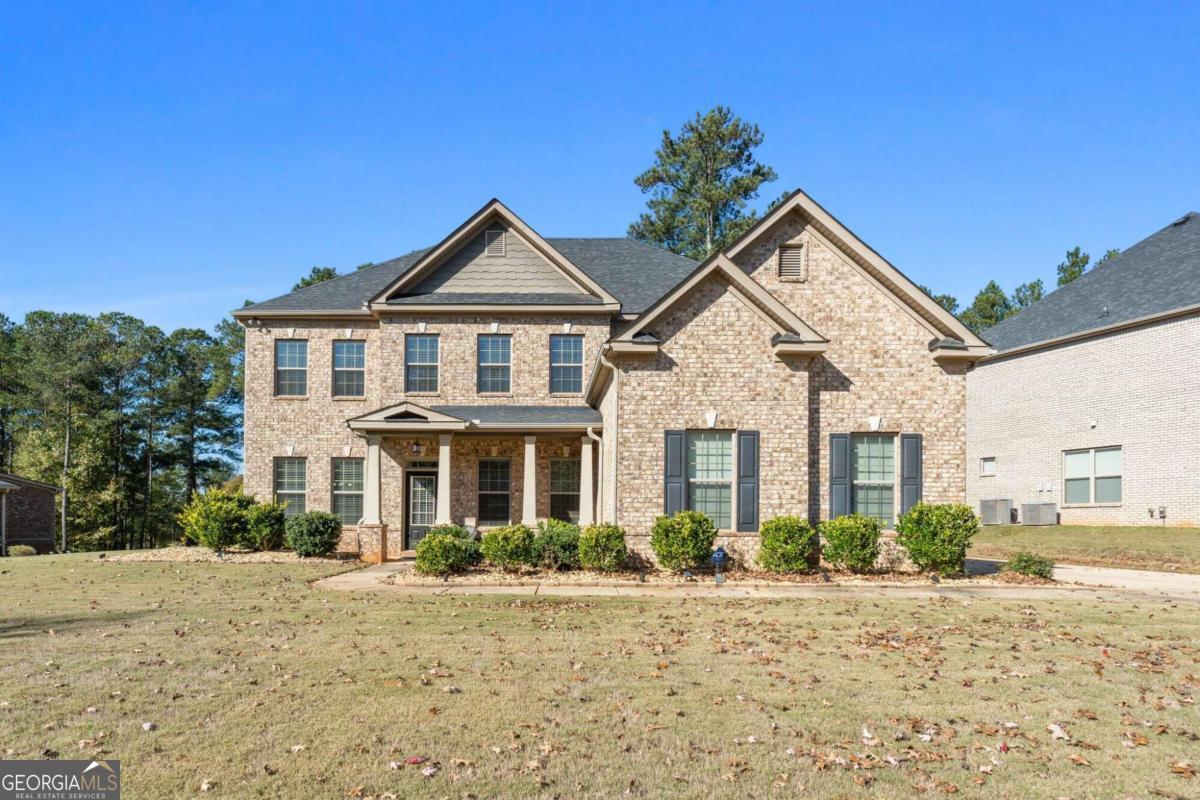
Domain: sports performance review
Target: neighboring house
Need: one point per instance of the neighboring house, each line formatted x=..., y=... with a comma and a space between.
x=27, y=513
x=1092, y=400
x=500, y=376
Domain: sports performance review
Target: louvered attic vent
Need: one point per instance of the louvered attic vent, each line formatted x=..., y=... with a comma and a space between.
x=791, y=262
x=494, y=241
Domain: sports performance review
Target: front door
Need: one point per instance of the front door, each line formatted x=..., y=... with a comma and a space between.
x=420, y=507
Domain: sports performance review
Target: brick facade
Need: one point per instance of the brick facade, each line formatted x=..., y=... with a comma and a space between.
x=1139, y=389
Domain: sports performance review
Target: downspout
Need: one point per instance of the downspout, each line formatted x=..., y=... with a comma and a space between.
x=4, y=523
x=599, y=487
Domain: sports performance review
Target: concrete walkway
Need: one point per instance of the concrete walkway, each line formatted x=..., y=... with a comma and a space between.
x=1078, y=582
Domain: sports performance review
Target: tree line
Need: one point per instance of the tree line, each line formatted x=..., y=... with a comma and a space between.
x=129, y=419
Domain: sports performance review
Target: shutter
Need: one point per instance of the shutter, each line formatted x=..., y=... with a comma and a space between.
x=839, y=474
x=674, y=473
x=910, y=470
x=791, y=262
x=747, y=480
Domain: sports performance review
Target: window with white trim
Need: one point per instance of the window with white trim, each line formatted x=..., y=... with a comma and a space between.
x=566, y=364
x=1092, y=476
x=710, y=475
x=348, y=490
x=349, y=368
x=291, y=367
x=290, y=484
x=495, y=491
x=873, y=476
x=564, y=489
x=987, y=467
x=421, y=362
x=495, y=363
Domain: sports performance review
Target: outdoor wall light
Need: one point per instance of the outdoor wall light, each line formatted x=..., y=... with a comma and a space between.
x=417, y=448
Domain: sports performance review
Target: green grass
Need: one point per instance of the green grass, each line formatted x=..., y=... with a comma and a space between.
x=1133, y=547
x=237, y=664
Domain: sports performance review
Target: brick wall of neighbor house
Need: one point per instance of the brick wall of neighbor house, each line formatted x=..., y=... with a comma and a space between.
x=314, y=427
x=1139, y=389
x=877, y=363
x=32, y=516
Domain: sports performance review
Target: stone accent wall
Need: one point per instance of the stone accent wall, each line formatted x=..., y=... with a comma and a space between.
x=1139, y=389
x=32, y=516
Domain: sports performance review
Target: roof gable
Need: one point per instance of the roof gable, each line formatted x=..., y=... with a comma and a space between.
x=515, y=267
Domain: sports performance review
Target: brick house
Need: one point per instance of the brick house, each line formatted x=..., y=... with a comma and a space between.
x=27, y=513
x=500, y=376
x=1092, y=398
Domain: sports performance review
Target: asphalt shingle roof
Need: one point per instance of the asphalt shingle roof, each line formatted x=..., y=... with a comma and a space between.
x=524, y=415
x=1157, y=275
x=636, y=274
x=478, y=298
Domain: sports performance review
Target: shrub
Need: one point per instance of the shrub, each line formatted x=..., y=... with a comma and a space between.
x=1024, y=563
x=216, y=519
x=787, y=544
x=443, y=551
x=556, y=545
x=851, y=542
x=684, y=540
x=265, y=527
x=454, y=530
x=21, y=550
x=313, y=533
x=937, y=536
x=602, y=547
x=510, y=547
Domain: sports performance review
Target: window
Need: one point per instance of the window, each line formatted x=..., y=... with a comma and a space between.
x=493, y=243
x=348, y=490
x=873, y=476
x=291, y=367
x=566, y=364
x=349, y=369
x=710, y=475
x=791, y=262
x=564, y=489
x=290, y=484
x=987, y=467
x=421, y=362
x=495, y=363
x=494, y=491
x=1092, y=476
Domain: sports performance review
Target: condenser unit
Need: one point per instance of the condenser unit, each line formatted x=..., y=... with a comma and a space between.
x=1039, y=514
x=995, y=512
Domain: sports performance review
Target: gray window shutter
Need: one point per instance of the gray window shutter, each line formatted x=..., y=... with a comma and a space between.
x=839, y=474
x=747, y=480
x=674, y=473
x=910, y=470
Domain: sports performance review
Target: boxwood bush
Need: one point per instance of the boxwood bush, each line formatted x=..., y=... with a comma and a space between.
x=556, y=545
x=509, y=548
x=787, y=544
x=313, y=533
x=683, y=541
x=1024, y=563
x=937, y=536
x=850, y=542
x=216, y=519
x=17, y=550
x=265, y=527
x=445, y=550
x=602, y=547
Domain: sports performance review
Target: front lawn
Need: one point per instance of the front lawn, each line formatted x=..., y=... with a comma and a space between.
x=260, y=685
x=1132, y=547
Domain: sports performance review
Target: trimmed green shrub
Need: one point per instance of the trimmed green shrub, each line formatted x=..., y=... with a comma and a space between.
x=313, y=533
x=444, y=550
x=19, y=550
x=510, y=547
x=850, y=542
x=1024, y=563
x=683, y=541
x=216, y=519
x=265, y=527
x=452, y=529
x=937, y=536
x=787, y=544
x=556, y=545
x=602, y=547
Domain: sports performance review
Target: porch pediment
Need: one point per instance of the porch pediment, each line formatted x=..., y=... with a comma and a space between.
x=405, y=417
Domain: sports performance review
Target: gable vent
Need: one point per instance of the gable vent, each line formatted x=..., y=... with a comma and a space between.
x=792, y=264
x=493, y=243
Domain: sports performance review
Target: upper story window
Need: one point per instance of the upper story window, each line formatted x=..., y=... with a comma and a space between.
x=349, y=368
x=987, y=467
x=710, y=475
x=290, y=484
x=421, y=362
x=493, y=243
x=566, y=364
x=1092, y=476
x=495, y=363
x=291, y=367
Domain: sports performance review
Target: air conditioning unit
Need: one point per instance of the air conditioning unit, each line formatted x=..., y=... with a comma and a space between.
x=1039, y=514
x=995, y=512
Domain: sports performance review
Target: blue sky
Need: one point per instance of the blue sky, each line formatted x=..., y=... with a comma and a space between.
x=170, y=160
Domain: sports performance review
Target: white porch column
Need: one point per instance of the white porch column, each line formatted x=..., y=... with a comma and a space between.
x=529, y=487
x=442, y=517
x=371, y=506
x=586, y=490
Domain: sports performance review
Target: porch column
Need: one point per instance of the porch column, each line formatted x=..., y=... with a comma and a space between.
x=371, y=507
x=586, y=492
x=529, y=487
x=442, y=517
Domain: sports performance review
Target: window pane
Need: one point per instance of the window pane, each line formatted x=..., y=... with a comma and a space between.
x=713, y=499
x=349, y=383
x=349, y=355
x=566, y=380
x=347, y=474
x=874, y=458
x=1078, y=490
x=348, y=508
x=987, y=466
x=710, y=456
x=1077, y=464
x=293, y=503
x=421, y=379
x=494, y=349
x=289, y=475
x=493, y=379
x=493, y=509
x=421, y=348
x=1108, y=490
x=564, y=475
x=493, y=475
x=876, y=501
x=566, y=350
x=291, y=382
x=1108, y=462
x=291, y=354
x=565, y=507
